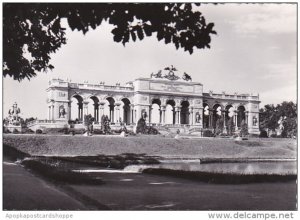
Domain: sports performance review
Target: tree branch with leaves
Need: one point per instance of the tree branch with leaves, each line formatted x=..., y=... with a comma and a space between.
x=33, y=31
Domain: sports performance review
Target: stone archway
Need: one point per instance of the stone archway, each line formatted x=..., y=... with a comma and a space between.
x=93, y=108
x=229, y=119
x=241, y=115
x=205, y=115
x=155, y=113
x=170, y=112
x=109, y=109
x=126, y=111
x=217, y=116
x=184, y=113
x=76, y=108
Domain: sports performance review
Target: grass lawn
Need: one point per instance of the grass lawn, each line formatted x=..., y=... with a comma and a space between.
x=59, y=145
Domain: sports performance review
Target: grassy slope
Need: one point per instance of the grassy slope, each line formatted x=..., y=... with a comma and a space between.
x=151, y=145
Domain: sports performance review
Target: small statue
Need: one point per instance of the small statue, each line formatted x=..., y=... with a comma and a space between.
x=171, y=75
x=62, y=111
x=144, y=115
x=14, y=114
x=157, y=75
x=254, y=121
x=186, y=77
x=198, y=117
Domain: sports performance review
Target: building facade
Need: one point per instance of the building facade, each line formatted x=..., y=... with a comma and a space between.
x=166, y=101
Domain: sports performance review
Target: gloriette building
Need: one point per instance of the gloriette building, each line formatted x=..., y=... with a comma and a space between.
x=167, y=100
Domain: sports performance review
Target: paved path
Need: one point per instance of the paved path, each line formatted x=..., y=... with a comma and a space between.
x=24, y=191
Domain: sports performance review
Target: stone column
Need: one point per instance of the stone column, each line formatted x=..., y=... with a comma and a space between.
x=101, y=106
x=235, y=121
x=160, y=116
x=176, y=115
x=179, y=116
x=49, y=112
x=210, y=119
x=224, y=118
x=69, y=110
x=117, y=112
x=150, y=112
x=52, y=112
x=85, y=110
x=191, y=116
x=131, y=113
x=163, y=114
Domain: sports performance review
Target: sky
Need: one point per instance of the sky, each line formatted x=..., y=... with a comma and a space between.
x=255, y=51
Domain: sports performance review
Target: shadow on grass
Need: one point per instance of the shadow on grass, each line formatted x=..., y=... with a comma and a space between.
x=56, y=173
x=60, y=169
x=110, y=161
x=222, y=178
x=13, y=154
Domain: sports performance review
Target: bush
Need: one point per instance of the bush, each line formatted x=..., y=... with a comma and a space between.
x=98, y=131
x=27, y=131
x=6, y=130
x=151, y=130
x=223, y=135
x=39, y=131
x=274, y=136
x=263, y=134
x=65, y=130
x=208, y=133
x=141, y=126
x=244, y=129
x=15, y=131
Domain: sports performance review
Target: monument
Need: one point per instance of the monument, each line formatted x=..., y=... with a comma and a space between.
x=167, y=99
x=13, y=121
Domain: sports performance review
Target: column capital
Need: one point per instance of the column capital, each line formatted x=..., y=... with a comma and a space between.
x=177, y=108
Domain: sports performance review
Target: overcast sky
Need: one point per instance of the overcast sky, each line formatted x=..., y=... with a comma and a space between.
x=254, y=52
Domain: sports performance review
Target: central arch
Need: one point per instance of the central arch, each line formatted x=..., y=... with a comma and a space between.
x=109, y=108
x=155, y=116
x=170, y=113
x=184, y=113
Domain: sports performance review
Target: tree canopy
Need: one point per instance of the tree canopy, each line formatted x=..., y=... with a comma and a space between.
x=270, y=116
x=32, y=31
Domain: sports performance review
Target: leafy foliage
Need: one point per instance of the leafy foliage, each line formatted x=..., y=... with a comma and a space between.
x=142, y=128
x=219, y=125
x=208, y=133
x=263, y=134
x=105, y=128
x=32, y=31
x=270, y=115
x=244, y=129
x=230, y=126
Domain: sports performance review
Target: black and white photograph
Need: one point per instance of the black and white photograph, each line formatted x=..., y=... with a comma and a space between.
x=150, y=106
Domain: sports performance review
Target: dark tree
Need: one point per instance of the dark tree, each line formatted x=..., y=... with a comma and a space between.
x=270, y=115
x=219, y=125
x=244, y=129
x=230, y=126
x=35, y=29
